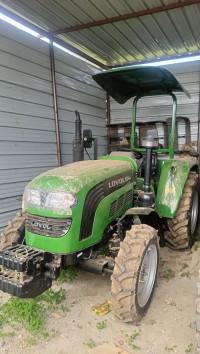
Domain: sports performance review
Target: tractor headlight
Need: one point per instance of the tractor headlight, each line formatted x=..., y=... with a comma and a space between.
x=58, y=201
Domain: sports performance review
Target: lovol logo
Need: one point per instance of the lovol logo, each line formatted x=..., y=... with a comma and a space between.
x=119, y=181
x=41, y=226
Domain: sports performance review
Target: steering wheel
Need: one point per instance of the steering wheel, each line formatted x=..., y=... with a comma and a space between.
x=137, y=154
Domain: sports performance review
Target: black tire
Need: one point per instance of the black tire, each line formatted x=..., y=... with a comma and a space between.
x=183, y=226
x=129, y=303
x=15, y=231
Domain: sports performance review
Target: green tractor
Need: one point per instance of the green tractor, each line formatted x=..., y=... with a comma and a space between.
x=130, y=201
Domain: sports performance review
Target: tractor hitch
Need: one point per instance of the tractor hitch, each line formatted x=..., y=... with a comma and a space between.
x=27, y=272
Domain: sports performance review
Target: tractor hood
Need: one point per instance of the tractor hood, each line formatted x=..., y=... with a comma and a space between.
x=77, y=175
x=59, y=188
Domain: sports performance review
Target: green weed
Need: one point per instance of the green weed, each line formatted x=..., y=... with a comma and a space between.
x=31, y=340
x=185, y=265
x=90, y=343
x=6, y=334
x=169, y=274
x=198, y=237
x=101, y=325
x=162, y=262
x=104, y=250
x=67, y=275
x=80, y=327
x=196, y=247
x=30, y=313
x=170, y=349
x=189, y=348
x=185, y=274
x=131, y=340
x=52, y=298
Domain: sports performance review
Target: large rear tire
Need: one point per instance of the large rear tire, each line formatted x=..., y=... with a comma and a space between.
x=135, y=273
x=14, y=232
x=183, y=226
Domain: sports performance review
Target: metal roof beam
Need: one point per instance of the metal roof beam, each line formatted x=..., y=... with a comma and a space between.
x=48, y=35
x=152, y=11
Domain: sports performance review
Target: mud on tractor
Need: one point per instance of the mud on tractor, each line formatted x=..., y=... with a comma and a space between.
x=130, y=200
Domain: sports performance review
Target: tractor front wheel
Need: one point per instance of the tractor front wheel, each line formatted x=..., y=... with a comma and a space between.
x=135, y=273
x=184, y=225
x=14, y=232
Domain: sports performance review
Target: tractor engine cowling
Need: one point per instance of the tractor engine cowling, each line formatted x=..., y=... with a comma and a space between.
x=69, y=208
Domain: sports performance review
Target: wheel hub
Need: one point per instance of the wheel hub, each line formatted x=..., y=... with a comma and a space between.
x=147, y=275
x=194, y=212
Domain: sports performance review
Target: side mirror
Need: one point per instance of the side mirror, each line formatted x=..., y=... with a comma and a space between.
x=87, y=138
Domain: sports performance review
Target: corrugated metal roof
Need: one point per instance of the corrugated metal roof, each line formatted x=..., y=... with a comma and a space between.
x=157, y=35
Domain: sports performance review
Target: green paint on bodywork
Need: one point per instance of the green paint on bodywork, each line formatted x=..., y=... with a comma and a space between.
x=70, y=242
x=79, y=178
x=121, y=158
x=172, y=175
x=172, y=134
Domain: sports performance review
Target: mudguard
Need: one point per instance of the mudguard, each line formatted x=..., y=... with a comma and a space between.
x=172, y=179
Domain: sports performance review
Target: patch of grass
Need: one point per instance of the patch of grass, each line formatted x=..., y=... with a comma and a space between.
x=67, y=275
x=31, y=340
x=30, y=313
x=185, y=274
x=6, y=334
x=169, y=274
x=185, y=265
x=53, y=333
x=198, y=237
x=162, y=262
x=80, y=327
x=53, y=298
x=196, y=247
x=170, y=349
x=131, y=339
x=101, y=325
x=189, y=348
x=90, y=343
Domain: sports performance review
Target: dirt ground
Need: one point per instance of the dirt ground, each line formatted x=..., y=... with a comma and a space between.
x=169, y=325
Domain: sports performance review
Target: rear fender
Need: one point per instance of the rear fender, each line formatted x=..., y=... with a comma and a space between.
x=172, y=180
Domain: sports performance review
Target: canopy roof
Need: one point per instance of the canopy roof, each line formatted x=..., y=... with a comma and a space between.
x=124, y=83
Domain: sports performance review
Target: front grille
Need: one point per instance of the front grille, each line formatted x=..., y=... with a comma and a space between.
x=120, y=202
x=44, y=226
x=128, y=196
x=112, y=209
x=94, y=196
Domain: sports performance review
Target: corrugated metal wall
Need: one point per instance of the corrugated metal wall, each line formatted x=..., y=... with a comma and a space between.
x=76, y=90
x=159, y=107
x=27, y=128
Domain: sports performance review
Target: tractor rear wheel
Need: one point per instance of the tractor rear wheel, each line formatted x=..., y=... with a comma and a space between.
x=14, y=232
x=184, y=225
x=135, y=273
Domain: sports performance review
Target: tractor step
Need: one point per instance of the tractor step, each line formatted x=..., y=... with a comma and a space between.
x=27, y=272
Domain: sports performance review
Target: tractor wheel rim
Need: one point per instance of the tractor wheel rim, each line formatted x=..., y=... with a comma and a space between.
x=194, y=212
x=147, y=275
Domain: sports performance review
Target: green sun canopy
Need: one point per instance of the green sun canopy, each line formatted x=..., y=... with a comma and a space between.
x=124, y=83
